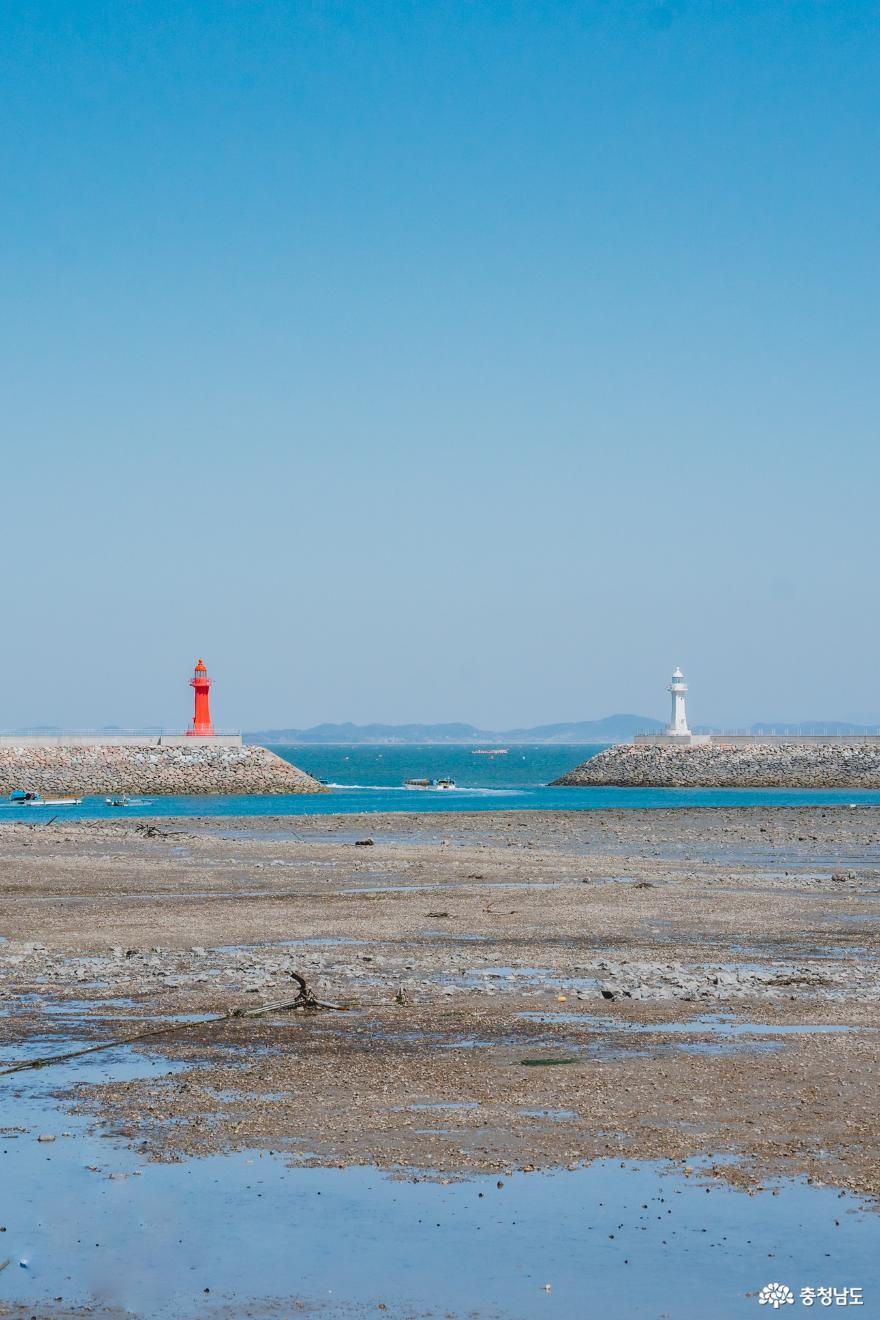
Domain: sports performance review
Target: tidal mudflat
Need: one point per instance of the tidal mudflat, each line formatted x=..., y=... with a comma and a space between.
x=632, y=1055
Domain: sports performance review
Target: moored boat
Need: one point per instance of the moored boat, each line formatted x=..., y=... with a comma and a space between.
x=35, y=800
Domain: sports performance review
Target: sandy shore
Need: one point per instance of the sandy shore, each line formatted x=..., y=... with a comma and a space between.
x=521, y=990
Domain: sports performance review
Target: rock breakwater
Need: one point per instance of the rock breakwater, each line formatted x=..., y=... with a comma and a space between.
x=151, y=770
x=759, y=765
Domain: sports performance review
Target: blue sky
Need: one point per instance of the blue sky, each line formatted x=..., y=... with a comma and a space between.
x=465, y=360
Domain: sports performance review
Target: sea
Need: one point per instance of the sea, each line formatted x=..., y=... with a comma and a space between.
x=372, y=779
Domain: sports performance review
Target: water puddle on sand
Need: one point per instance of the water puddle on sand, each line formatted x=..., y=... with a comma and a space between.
x=314, y=942
x=551, y=1115
x=304, y=942
x=75, y=1009
x=443, y=1104
x=453, y=936
x=117, y=1064
x=716, y=1024
x=186, y=1240
x=766, y=955
x=260, y=1235
x=497, y=978
x=451, y=885
x=69, y=1013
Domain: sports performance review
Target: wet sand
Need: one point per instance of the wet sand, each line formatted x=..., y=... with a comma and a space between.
x=520, y=990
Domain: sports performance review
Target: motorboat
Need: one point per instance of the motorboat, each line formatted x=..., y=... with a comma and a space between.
x=445, y=782
x=123, y=800
x=35, y=800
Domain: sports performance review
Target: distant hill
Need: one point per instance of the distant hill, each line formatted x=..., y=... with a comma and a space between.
x=611, y=729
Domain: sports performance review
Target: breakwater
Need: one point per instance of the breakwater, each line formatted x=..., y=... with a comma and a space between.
x=151, y=770
x=756, y=765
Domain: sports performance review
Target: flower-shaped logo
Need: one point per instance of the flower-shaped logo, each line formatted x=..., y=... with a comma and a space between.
x=776, y=1295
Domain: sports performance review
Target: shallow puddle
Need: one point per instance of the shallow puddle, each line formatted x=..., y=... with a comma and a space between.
x=453, y=936
x=551, y=1115
x=445, y=1104
x=612, y=1239
x=712, y=1024
x=497, y=978
x=403, y=887
x=316, y=942
x=259, y=1234
x=251, y=951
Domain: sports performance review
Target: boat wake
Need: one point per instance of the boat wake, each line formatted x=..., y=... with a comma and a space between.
x=440, y=792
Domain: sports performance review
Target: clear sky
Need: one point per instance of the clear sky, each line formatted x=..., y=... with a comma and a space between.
x=451, y=360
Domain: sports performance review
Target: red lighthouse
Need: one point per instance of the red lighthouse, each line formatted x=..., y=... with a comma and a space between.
x=201, y=725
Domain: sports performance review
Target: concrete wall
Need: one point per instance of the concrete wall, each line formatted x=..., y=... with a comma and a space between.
x=676, y=740
x=760, y=740
x=796, y=739
x=116, y=740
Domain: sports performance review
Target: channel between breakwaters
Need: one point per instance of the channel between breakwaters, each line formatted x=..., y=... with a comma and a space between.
x=756, y=765
x=154, y=770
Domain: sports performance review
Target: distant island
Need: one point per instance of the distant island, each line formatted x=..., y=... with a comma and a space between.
x=611, y=729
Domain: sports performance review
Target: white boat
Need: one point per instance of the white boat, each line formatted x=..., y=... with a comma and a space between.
x=37, y=801
x=490, y=751
x=445, y=782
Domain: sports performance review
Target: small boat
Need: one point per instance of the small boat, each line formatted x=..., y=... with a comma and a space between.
x=445, y=782
x=489, y=751
x=123, y=800
x=34, y=800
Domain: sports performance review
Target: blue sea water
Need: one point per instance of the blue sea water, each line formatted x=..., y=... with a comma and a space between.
x=371, y=779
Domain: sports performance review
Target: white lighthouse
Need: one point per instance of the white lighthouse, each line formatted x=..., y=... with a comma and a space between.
x=677, y=726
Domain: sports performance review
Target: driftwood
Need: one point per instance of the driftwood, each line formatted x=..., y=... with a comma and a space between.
x=305, y=999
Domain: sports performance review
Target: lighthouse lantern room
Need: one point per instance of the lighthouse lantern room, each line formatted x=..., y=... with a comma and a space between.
x=201, y=725
x=677, y=727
